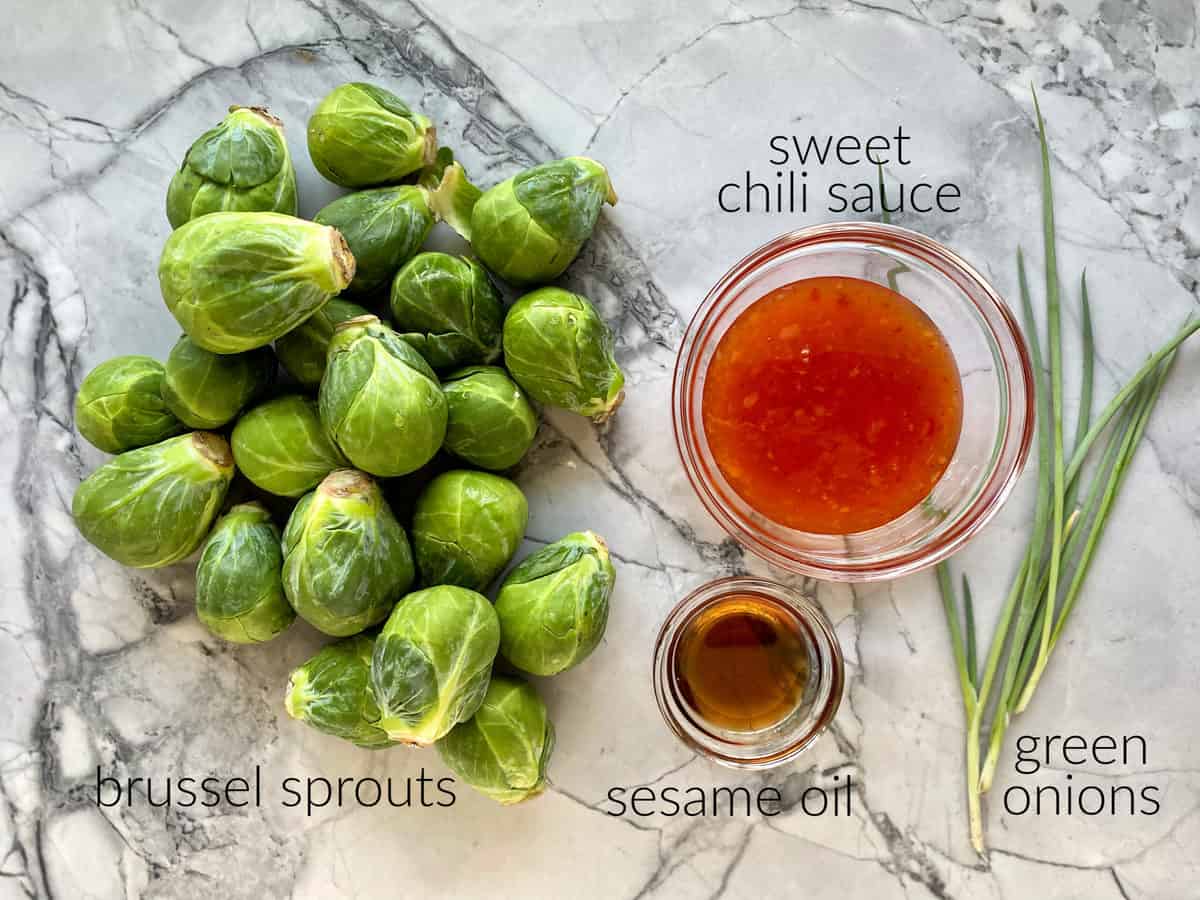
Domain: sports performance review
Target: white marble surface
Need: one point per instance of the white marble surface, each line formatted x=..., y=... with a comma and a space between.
x=101, y=666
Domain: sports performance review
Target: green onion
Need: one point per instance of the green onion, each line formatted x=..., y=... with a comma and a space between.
x=1065, y=535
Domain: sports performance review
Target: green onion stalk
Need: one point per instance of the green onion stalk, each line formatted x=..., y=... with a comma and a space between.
x=1066, y=532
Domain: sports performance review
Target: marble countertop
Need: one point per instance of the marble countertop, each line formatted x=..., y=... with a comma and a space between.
x=107, y=667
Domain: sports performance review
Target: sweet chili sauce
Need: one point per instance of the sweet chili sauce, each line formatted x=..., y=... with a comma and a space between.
x=832, y=405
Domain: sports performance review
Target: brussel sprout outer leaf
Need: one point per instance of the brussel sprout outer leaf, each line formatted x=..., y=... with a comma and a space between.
x=153, y=506
x=553, y=606
x=331, y=692
x=490, y=422
x=451, y=194
x=564, y=196
x=384, y=227
x=346, y=560
x=503, y=750
x=466, y=527
x=448, y=309
x=238, y=280
x=207, y=390
x=432, y=173
x=529, y=228
x=560, y=351
x=241, y=165
x=282, y=447
x=120, y=406
x=303, y=349
x=511, y=244
x=239, y=591
x=432, y=662
x=379, y=400
x=362, y=135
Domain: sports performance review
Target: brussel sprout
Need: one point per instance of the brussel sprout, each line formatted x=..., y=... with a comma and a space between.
x=490, y=421
x=241, y=165
x=466, y=527
x=361, y=135
x=384, y=227
x=502, y=751
x=380, y=401
x=239, y=592
x=346, y=559
x=331, y=692
x=432, y=662
x=120, y=407
x=553, y=606
x=236, y=281
x=153, y=506
x=206, y=389
x=303, y=349
x=528, y=229
x=560, y=351
x=282, y=447
x=446, y=307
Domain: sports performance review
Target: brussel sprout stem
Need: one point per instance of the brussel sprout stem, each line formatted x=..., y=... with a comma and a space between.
x=345, y=483
x=343, y=260
x=296, y=681
x=263, y=113
x=214, y=448
x=356, y=322
x=429, y=153
x=602, y=417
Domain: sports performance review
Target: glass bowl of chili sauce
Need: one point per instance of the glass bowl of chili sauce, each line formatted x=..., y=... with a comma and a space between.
x=853, y=401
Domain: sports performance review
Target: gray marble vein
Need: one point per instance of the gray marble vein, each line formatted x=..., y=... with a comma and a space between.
x=108, y=667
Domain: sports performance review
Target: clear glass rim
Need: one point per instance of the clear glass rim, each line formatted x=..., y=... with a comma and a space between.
x=1014, y=368
x=750, y=754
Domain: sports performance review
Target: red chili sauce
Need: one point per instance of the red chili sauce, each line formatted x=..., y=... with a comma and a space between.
x=832, y=405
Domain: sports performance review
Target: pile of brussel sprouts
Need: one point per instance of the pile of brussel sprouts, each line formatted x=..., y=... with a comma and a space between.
x=267, y=445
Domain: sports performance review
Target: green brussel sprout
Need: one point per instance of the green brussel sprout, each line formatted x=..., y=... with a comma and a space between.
x=239, y=591
x=553, y=606
x=380, y=401
x=207, y=390
x=446, y=307
x=153, y=506
x=303, y=349
x=361, y=135
x=120, y=407
x=490, y=422
x=502, y=751
x=466, y=527
x=332, y=693
x=432, y=662
x=236, y=281
x=384, y=227
x=242, y=165
x=560, y=351
x=346, y=559
x=282, y=447
x=529, y=228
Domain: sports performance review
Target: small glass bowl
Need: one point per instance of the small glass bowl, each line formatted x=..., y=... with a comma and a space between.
x=787, y=738
x=997, y=386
